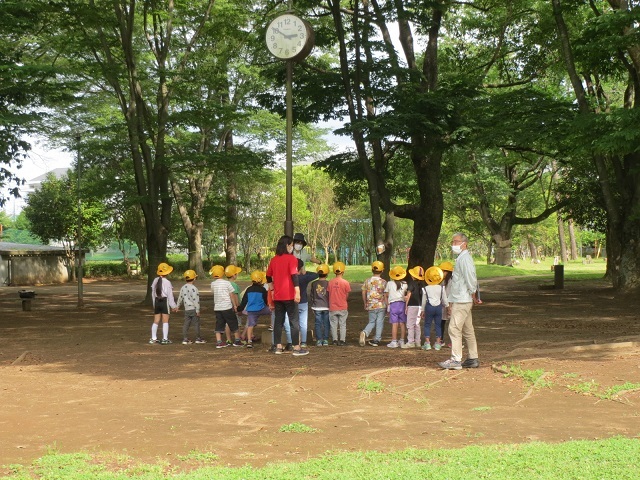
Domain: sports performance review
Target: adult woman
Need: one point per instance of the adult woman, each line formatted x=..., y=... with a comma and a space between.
x=282, y=274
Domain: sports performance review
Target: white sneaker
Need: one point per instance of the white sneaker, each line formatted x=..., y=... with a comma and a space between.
x=408, y=345
x=363, y=338
x=401, y=342
x=393, y=344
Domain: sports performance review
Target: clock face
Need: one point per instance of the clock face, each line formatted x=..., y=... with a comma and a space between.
x=288, y=36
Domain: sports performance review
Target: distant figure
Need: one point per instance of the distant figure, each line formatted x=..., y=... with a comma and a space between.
x=190, y=296
x=338, y=289
x=464, y=284
x=163, y=301
x=373, y=298
x=319, y=303
x=395, y=298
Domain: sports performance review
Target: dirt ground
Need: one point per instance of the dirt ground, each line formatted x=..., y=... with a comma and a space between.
x=87, y=380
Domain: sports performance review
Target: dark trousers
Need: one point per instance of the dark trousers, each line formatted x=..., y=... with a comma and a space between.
x=290, y=309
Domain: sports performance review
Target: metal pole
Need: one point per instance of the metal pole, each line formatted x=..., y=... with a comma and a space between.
x=288, y=222
x=79, y=240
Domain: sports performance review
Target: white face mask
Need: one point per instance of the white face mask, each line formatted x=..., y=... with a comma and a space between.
x=457, y=249
x=297, y=246
x=289, y=248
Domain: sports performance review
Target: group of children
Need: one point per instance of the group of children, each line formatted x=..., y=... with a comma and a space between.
x=408, y=298
x=422, y=295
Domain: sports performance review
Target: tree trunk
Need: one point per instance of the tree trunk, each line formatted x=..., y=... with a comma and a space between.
x=572, y=241
x=561, y=239
x=533, y=250
x=503, y=248
x=489, y=251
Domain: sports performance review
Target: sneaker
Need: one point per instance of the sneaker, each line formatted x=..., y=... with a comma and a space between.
x=200, y=340
x=401, y=342
x=408, y=345
x=301, y=352
x=229, y=343
x=279, y=350
x=450, y=364
x=186, y=341
x=220, y=344
x=237, y=343
x=325, y=343
x=154, y=340
x=437, y=346
x=289, y=347
x=426, y=346
x=303, y=345
x=272, y=349
x=334, y=343
x=374, y=343
x=165, y=341
x=319, y=343
x=393, y=344
x=471, y=363
x=249, y=344
x=342, y=343
x=363, y=338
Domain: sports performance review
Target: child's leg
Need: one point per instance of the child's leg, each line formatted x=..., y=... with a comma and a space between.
x=343, y=325
x=249, y=332
x=379, y=324
x=394, y=332
x=403, y=330
x=154, y=326
x=165, y=326
x=186, y=325
x=333, y=321
x=196, y=322
x=326, y=322
x=318, y=326
x=227, y=332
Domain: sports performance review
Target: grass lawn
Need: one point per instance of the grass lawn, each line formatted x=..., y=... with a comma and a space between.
x=617, y=458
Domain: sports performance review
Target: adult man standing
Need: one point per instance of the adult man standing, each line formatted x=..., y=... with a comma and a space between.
x=463, y=286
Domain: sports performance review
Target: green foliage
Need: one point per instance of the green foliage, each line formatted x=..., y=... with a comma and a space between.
x=370, y=386
x=104, y=269
x=297, y=427
x=52, y=211
x=533, y=378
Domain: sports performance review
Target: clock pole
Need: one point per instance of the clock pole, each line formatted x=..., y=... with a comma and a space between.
x=288, y=221
x=289, y=38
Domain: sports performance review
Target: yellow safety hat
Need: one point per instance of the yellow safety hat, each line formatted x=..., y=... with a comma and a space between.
x=164, y=269
x=190, y=275
x=397, y=273
x=434, y=275
x=217, y=271
x=377, y=267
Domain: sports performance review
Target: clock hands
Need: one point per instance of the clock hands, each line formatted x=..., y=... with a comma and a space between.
x=288, y=37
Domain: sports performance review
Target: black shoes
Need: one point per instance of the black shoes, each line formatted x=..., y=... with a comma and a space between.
x=471, y=363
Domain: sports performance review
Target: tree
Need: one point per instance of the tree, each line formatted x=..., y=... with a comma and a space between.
x=29, y=82
x=601, y=53
x=53, y=213
x=137, y=51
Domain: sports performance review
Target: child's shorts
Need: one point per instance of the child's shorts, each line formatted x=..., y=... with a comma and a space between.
x=396, y=313
x=252, y=317
x=226, y=317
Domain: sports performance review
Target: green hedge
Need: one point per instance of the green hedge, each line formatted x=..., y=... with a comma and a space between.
x=104, y=269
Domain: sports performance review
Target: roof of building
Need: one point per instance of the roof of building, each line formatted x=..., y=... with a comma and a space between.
x=24, y=249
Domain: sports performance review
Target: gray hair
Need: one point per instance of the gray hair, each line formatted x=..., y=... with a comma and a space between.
x=461, y=236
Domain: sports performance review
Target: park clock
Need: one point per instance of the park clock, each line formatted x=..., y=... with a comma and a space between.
x=289, y=37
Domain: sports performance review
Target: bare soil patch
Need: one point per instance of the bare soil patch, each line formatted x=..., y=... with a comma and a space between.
x=87, y=380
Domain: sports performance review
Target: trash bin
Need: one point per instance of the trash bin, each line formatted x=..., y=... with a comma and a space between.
x=26, y=296
x=558, y=280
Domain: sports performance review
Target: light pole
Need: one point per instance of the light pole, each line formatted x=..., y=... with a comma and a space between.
x=79, y=235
